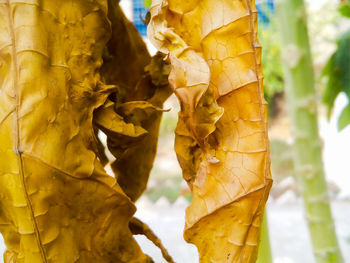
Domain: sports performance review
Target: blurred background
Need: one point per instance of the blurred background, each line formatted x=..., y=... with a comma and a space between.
x=163, y=204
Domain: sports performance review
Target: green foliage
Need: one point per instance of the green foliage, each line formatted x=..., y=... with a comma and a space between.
x=333, y=87
x=171, y=192
x=344, y=8
x=282, y=165
x=344, y=118
x=265, y=255
x=170, y=188
x=338, y=72
x=271, y=61
x=271, y=57
x=147, y=3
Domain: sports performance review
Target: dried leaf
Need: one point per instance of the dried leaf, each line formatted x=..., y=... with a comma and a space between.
x=112, y=124
x=141, y=82
x=57, y=203
x=221, y=138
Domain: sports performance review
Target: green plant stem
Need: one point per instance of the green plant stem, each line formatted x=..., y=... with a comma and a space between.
x=264, y=254
x=301, y=98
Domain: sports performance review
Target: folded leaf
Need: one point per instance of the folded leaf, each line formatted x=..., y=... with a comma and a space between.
x=221, y=138
x=141, y=81
x=112, y=123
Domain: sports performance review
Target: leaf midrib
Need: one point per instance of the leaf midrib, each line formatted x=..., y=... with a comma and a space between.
x=17, y=147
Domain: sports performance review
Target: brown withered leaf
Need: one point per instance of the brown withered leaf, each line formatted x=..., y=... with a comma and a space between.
x=142, y=87
x=221, y=137
x=57, y=204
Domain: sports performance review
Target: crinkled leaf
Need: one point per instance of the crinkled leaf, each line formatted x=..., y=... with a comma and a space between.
x=133, y=178
x=57, y=202
x=132, y=107
x=113, y=124
x=142, y=89
x=221, y=138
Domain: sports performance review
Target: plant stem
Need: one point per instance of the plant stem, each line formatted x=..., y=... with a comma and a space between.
x=264, y=254
x=301, y=97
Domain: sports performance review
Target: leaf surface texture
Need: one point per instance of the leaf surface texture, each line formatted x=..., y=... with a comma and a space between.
x=221, y=137
x=57, y=202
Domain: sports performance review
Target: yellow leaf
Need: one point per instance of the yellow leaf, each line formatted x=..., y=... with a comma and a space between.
x=111, y=123
x=57, y=203
x=142, y=88
x=221, y=137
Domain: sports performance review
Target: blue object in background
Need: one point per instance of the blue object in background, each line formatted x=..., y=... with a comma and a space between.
x=265, y=8
x=139, y=12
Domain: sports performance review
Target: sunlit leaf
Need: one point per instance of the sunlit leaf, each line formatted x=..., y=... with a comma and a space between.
x=57, y=202
x=221, y=137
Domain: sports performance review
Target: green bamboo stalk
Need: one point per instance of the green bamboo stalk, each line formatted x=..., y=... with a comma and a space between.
x=301, y=98
x=264, y=254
